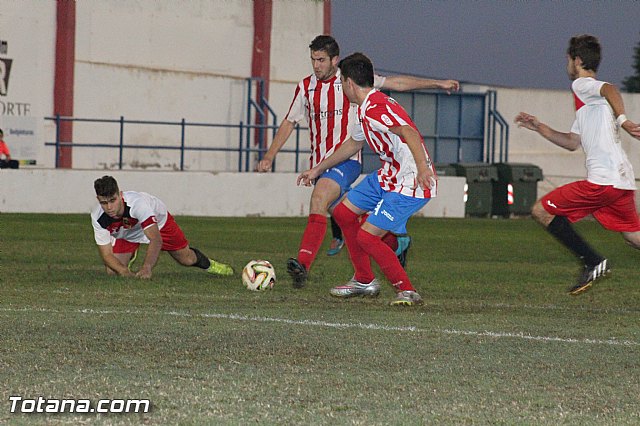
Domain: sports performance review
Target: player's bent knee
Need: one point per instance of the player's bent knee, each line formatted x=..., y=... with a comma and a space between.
x=540, y=215
x=633, y=239
x=185, y=256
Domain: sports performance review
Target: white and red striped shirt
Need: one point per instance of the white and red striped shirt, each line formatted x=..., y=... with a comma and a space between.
x=378, y=113
x=328, y=112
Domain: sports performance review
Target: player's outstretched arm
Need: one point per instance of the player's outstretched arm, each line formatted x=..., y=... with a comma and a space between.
x=569, y=141
x=403, y=83
x=632, y=128
x=283, y=133
x=344, y=152
x=613, y=96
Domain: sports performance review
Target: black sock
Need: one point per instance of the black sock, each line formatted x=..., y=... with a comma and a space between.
x=335, y=229
x=202, y=261
x=564, y=232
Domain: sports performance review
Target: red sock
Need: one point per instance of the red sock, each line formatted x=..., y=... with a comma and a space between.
x=312, y=239
x=386, y=258
x=350, y=225
x=391, y=240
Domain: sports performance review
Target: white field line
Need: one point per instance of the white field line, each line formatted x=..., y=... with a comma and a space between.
x=238, y=317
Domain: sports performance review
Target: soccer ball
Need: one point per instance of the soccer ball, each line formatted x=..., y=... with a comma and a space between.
x=259, y=275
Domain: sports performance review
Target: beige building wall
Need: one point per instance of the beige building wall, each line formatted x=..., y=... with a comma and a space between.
x=168, y=61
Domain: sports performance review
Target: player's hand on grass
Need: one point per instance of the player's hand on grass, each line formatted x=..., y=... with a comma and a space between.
x=144, y=273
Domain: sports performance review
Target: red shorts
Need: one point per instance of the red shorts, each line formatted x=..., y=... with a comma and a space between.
x=614, y=208
x=172, y=239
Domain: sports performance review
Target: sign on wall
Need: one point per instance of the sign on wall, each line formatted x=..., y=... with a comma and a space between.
x=19, y=127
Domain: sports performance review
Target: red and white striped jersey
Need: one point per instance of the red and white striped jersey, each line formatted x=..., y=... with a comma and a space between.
x=328, y=112
x=141, y=210
x=378, y=113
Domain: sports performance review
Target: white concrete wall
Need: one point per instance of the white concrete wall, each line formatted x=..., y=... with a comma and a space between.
x=162, y=60
x=158, y=61
x=28, y=28
x=187, y=193
x=555, y=108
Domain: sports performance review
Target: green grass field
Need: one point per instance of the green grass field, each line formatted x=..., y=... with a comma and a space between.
x=498, y=340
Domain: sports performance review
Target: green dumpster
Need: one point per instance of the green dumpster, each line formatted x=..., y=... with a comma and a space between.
x=445, y=169
x=479, y=187
x=516, y=189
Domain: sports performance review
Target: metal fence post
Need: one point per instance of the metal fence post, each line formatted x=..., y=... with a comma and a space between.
x=57, y=150
x=121, y=141
x=240, y=132
x=182, y=145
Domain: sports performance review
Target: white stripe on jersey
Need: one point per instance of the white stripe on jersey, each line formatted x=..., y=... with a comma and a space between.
x=398, y=172
x=328, y=112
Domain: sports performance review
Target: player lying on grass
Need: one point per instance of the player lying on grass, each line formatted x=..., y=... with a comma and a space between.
x=124, y=220
x=608, y=193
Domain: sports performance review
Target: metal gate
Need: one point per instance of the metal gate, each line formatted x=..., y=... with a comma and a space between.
x=457, y=128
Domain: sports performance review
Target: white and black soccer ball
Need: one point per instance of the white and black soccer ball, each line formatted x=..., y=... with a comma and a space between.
x=259, y=275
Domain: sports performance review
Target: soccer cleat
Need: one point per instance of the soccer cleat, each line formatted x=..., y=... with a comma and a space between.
x=133, y=259
x=589, y=275
x=335, y=247
x=218, y=268
x=404, y=242
x=355, y=288
x=298, y=272
x=406, y=298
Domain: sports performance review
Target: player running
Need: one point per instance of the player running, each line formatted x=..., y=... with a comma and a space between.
x=403, y=185
x=320, y=99
x=609, y=190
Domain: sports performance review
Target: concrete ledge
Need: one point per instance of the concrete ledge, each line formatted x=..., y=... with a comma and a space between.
x=186, y=193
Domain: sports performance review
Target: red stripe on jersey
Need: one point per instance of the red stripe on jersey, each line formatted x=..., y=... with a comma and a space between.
x=344, y=120
x=578, y=102
x=148, y=222
x=295, y=95
x=331, y=118
x=326, y=108
x=317, y=122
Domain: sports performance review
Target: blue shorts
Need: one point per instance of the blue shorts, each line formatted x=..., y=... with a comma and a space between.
x=344, y=174
x=389, y=210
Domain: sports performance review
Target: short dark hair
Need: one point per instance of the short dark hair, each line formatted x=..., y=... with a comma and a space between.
x=587, y=48
x=1, y=132
x=106, y=186
x=326, y=43
x=358, y=68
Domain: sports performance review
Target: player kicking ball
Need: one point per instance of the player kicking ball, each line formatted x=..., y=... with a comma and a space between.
x=403, y=185
x=124, y=220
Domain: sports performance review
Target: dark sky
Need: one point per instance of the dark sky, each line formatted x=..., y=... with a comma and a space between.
x=517, y=43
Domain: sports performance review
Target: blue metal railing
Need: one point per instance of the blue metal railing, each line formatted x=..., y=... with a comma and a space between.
x=244, y=148
x=494, y=120
x=496, y=139
x=261, y=107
